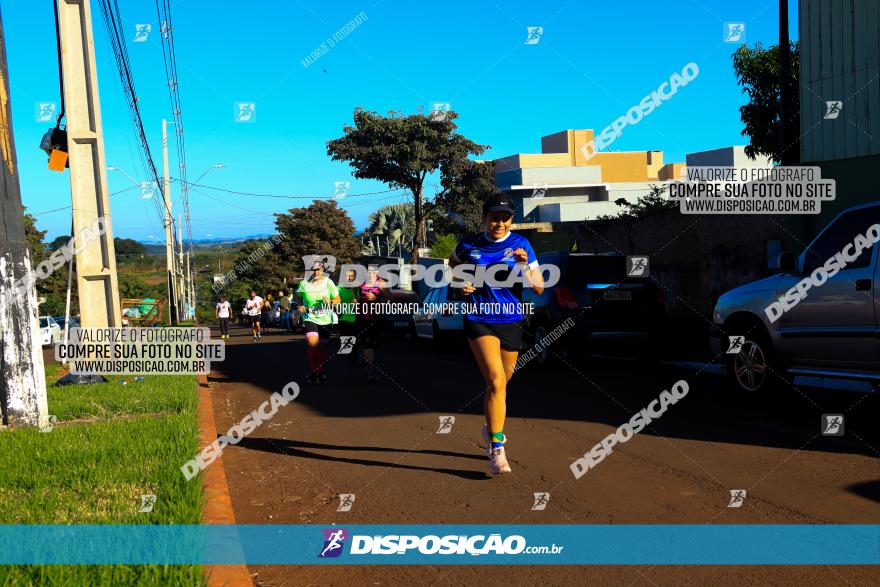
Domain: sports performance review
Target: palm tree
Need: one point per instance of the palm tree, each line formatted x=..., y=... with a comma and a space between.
x=396, y=222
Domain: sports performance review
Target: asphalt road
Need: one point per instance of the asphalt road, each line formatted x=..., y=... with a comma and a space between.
x=380, y=443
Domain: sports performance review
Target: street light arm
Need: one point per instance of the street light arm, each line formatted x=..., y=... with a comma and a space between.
x=122, y=171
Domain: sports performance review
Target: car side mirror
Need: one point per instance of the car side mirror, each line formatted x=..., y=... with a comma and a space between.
x=788, y=262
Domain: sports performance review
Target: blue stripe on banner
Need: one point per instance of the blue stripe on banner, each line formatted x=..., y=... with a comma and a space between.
x=660, y=544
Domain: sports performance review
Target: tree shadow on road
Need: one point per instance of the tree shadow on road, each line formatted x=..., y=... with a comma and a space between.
x=294, y=448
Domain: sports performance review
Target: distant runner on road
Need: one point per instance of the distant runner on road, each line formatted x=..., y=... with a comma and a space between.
x=317, y=292
x=495, y=337
x=223, y=311
x=253, y=307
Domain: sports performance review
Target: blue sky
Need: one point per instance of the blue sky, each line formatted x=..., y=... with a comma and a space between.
x=593, y=62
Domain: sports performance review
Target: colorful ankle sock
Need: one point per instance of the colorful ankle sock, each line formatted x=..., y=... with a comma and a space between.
x=497, y=439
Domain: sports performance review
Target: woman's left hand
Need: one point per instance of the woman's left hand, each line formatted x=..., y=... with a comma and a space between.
x=521, y=255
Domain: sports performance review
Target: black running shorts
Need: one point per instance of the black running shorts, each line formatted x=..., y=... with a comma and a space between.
x=323, y=330
x=510, y=335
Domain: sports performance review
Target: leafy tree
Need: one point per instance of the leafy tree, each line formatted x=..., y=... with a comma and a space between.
x=53, y=305
x=60, y=241
x=54, y=287
x=466, y=185
x=132, y=286
x=401, y=151
x=127, y=246
x=320, y=229
x=757, y=70
x=444, y=246
x=260, y=267
x=34, y=238
x=647, y=205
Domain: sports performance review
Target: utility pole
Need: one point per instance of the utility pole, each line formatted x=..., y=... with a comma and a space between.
x=22, y=379
x=192, y=293
x=169, y=231
x=181, y=311
x=96, y=263
x=789, y=143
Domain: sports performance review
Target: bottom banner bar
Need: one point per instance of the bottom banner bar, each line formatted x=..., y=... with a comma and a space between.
x=660, y=544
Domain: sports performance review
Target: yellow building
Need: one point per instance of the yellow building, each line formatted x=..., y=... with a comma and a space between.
x=568, y=181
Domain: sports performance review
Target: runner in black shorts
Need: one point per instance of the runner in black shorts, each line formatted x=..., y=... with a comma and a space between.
x=495, y=327
x=348, y=297
x=252, y=307
x=317, y=292
x=369, y=322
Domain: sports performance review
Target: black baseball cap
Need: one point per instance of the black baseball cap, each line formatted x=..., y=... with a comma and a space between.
x=499, y=203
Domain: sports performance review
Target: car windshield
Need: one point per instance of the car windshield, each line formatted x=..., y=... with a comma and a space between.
x=44, y=322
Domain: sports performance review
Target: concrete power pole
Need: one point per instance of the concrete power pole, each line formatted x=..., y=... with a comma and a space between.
x=96, y=263
x=181, y=287
x=169, y=231
x=189, y=280
x=22, y=379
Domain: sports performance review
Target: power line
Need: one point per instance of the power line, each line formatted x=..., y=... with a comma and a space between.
x=70, y=207
x=216, y=199
x=169, y=57
x=113, y=26
x=240, y=193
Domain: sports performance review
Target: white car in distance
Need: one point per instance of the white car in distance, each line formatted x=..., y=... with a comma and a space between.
x=50, y=332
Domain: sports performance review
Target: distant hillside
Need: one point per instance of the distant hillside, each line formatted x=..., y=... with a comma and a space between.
x=207, y=243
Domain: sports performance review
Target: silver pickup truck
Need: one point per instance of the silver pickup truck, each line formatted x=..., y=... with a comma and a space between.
x=820, y=316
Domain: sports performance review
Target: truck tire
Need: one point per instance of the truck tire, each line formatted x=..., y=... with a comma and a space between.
x=755, y=368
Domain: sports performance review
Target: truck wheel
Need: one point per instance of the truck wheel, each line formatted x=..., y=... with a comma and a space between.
x=754, y=368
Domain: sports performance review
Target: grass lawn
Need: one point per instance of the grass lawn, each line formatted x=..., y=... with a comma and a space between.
x=111, y=444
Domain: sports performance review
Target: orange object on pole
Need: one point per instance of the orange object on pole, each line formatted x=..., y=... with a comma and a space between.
x=57, y=160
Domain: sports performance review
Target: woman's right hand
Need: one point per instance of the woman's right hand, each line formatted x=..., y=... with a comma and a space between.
x=303, y=309
x=468, y=289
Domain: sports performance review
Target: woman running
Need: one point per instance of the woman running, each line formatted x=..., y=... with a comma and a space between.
x=495, y=328
x=317, y=293
x=370, y=322
x=348, y=298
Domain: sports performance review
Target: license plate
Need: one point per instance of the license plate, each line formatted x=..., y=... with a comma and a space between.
x=618, y=295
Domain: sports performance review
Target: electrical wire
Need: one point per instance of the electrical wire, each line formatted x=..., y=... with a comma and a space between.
x=71, y=207
x=240, y=193
x=113, y=26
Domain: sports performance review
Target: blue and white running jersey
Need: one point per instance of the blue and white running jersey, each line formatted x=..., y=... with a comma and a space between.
x=495, y=305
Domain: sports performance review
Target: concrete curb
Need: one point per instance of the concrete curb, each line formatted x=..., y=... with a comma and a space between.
x=218, y=503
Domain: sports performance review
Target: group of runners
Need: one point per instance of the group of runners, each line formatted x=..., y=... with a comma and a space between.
x=494, y=336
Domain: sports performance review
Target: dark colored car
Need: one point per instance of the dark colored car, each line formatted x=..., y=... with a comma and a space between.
x=611, y=312
x=74, y=321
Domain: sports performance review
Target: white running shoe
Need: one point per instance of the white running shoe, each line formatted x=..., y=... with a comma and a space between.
x=498, y=461
x=497, y=456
